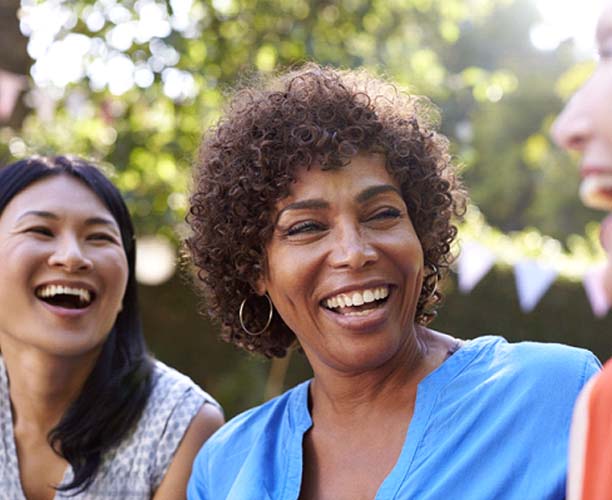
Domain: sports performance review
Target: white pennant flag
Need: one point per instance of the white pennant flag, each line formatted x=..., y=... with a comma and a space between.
x=533, y=279
x=475, y=261
x=593, y=286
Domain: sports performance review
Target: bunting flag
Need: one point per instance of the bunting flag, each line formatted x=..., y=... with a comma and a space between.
x=533, y=279
x=593, y=286
x=475, y=261
x=11, y=85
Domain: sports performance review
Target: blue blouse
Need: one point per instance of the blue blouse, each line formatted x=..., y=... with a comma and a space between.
x=491, y=422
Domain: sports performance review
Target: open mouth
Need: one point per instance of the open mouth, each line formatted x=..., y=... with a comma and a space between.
x=596, y=191
x=65, y=296
x=358, y=302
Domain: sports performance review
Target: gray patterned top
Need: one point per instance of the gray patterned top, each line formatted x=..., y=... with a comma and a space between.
x=134, y=469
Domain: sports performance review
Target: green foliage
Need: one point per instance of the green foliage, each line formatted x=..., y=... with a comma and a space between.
x=498, y=96
x=184, y=62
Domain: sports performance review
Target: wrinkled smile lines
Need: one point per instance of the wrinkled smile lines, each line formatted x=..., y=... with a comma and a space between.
x=357, y=297
x=51, y=290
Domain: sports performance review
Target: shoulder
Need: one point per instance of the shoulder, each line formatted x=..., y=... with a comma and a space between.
x=600, y=394
x=256, y=440
x=176, y=402
x=176, y=414
x=174, y=482
x=536, y=377
x=550, y=359
x=170, y=383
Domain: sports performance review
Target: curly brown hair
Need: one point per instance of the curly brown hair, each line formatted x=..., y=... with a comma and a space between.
x=247, y=162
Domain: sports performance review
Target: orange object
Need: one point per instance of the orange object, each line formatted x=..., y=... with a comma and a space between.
x=597, y=479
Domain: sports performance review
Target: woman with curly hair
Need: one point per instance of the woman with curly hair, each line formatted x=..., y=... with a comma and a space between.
x=322, y=218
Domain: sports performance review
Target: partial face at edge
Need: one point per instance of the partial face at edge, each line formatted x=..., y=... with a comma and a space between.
x=585, y=125
x=345, y=265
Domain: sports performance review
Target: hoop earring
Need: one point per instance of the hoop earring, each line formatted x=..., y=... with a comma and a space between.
x=241, y=319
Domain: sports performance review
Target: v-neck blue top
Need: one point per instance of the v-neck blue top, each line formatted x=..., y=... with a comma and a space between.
x=491, y=422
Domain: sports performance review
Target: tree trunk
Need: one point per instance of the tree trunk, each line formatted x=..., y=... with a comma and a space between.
x=14, y=57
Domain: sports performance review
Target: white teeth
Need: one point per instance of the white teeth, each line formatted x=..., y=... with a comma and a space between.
x=52, y=290
x=357, y=298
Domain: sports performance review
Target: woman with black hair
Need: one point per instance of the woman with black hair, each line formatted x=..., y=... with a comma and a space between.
x=85, y=412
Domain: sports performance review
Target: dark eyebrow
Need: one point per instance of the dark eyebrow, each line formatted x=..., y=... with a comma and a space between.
x=373, y=191
x=315, y=204
x=38, y=213
x=92, y=221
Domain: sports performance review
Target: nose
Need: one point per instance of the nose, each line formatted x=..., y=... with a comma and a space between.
x=69, y=255
x=352, y=248
x=573, y=127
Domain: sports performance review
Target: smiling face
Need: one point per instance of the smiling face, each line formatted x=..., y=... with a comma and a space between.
x=64, y=268
x=585, y=124
x=345, y=266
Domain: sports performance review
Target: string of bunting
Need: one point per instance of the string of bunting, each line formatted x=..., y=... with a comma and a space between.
x=536, y=260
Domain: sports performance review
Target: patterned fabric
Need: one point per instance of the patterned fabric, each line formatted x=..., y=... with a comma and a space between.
x=134, y=469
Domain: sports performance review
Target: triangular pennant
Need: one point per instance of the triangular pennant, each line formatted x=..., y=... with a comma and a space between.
x=475, y=261
x=593, y=286
x=533, y=279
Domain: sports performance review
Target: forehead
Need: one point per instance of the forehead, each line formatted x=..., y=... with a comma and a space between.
x=362, y=172
x=57, y=193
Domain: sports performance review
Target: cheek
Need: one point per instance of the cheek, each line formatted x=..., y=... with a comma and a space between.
x=114, y=269
x=289, y=284
x=600, y=91
x=20, y=261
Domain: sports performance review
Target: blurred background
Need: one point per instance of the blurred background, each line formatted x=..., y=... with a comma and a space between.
x=133, y=84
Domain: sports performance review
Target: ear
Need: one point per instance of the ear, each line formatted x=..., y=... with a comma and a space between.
x=260, y=286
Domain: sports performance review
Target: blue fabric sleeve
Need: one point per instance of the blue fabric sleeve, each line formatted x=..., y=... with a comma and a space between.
x=592, y=366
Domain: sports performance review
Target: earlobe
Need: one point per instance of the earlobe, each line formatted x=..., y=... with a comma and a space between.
x=260, y=286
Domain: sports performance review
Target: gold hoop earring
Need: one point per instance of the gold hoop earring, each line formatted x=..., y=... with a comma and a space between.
x=241, y=319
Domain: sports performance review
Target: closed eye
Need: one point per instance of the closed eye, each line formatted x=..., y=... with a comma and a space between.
x=304, y=228
x=102, y=237
x=42, y=230
x=387, y=213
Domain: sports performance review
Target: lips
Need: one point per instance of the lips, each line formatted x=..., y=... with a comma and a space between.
x=73, y=296
x=596, y=188
x=360, y=309
x=605, y=234
x=357, y=298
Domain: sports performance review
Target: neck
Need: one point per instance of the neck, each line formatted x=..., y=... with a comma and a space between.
x=42, y=386
x=392, y=385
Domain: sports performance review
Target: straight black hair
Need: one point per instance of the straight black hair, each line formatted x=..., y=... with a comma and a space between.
x=115, y=393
